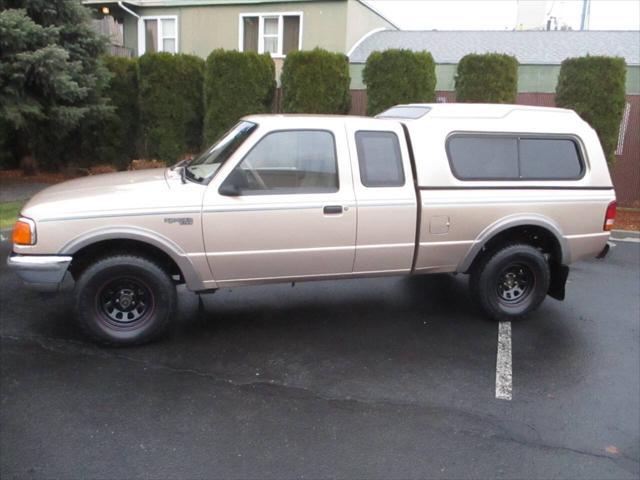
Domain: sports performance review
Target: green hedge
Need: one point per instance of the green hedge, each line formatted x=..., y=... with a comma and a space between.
x=113, y=140
x=398, y=76
x=171, y=106
x=595, y=88
x=487, y=78
x=315, y=81
x=235, y=84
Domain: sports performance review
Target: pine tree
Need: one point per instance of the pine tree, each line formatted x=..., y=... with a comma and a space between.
x=51, y=78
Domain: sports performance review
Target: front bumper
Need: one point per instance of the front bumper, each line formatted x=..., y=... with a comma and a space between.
x=40, y=272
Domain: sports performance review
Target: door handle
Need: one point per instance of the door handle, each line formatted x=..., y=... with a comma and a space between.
x=332, y=210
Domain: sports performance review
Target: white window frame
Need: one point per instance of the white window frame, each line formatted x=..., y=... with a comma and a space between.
x=161, y=37
x=261, y=17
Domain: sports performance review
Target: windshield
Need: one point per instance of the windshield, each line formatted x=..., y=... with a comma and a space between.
x=208, y=163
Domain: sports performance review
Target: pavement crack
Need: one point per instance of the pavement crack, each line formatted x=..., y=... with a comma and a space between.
x=482, y=420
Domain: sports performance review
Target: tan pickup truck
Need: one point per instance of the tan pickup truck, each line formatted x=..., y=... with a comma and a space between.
x=509, y=194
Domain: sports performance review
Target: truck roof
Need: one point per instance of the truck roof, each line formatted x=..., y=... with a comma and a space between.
x=417, y=111
x=413, y=112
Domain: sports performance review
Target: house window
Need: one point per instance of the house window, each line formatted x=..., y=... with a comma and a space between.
x=277, y=34
x=159, y=34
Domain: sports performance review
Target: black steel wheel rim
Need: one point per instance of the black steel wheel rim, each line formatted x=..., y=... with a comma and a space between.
x=124, y=303
x=515, y=284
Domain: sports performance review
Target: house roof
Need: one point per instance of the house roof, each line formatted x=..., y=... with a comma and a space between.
x=187, y=3
x=529, y=47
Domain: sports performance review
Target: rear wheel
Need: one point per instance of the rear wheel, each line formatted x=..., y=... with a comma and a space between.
x=124, y=300
x=511, y=282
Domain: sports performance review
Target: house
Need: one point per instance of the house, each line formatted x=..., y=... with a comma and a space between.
x=274, y=26
x=539, y=54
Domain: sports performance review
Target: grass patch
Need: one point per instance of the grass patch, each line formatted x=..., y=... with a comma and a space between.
x=9, y=213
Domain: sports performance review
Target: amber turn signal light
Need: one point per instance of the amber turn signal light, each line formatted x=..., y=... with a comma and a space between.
x=24, y=232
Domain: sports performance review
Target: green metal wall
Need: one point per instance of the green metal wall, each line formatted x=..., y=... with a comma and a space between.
x=531, y=78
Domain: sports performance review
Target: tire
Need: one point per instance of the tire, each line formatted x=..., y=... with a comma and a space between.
x=124, y=300
x=511, y=282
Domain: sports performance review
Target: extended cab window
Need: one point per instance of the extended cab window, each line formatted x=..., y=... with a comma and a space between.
x=290, y=161
x=513, y=157
x=380, y=159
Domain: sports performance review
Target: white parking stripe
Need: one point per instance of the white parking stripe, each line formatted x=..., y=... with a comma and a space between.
x=504, y=377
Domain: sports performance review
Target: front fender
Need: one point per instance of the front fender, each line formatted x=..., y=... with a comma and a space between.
x=189, y=271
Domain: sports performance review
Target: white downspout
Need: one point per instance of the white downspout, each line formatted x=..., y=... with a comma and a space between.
x=128, y=10
x=140, y=27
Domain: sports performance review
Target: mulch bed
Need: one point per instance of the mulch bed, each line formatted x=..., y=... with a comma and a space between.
x=628, y=219
x=18, y=176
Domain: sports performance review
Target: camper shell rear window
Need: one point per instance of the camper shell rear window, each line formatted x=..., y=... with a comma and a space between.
x=487, y=156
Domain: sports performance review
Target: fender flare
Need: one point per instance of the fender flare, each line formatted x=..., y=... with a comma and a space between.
x=166, y=245
x=516, y=220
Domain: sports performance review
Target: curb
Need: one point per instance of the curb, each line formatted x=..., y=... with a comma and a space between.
x=617, y=234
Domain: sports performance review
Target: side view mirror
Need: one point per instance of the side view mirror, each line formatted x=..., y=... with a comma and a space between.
x=233, y=184
x=229, y=189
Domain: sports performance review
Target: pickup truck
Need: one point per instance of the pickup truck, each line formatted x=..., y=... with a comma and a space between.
x=508, y=194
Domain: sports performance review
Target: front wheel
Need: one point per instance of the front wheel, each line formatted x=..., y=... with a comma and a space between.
x=511, y=282
x=124, y=300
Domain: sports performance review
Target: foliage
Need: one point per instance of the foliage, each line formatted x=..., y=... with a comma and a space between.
x=51, y=80
x=595, y=88
x=396, y=76
x=8, y=158
x=112, y=139
x=316, y=81
x=235, y=84
x=487, y=78
x=171, y=106
x=9, y=213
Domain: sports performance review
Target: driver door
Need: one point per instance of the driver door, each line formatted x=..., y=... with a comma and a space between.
x=284, y=211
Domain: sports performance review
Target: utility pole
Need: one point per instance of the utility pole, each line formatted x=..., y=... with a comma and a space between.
x=584, y=20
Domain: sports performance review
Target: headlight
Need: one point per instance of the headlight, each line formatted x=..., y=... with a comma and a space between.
x=24, y=232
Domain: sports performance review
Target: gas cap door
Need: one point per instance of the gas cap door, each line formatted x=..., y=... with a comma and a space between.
x=439, y=224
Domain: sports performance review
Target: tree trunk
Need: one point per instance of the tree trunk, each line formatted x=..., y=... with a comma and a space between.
x=28, y=165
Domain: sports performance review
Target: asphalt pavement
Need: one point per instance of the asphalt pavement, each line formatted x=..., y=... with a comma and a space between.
x=378, y=378
x=11, y=191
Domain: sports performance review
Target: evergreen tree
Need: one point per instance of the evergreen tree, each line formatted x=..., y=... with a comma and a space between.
x=51, y=78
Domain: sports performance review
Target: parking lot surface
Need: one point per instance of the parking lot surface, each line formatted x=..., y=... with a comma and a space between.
x=378, y=378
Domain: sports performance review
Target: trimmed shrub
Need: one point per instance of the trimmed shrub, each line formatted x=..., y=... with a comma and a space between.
x=235, y=84
x=595, y=88
x=487, y=78
x=398, y=76
x=171, y=106
x=315, y=81
x=112, y=140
